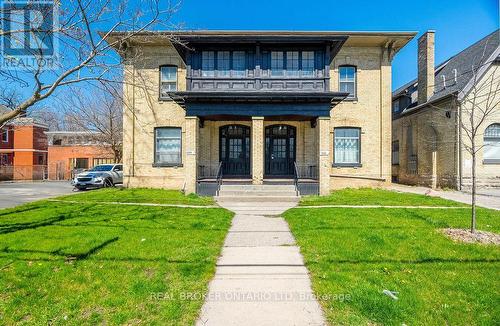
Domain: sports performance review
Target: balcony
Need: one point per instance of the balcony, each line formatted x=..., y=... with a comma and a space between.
x=239, y=84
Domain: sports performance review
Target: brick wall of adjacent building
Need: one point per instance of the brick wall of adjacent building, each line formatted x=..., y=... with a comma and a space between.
x=435, y=143
x=26, y=151
x=61, y=159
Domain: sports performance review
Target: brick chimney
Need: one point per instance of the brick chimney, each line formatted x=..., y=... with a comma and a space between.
x=425, y=67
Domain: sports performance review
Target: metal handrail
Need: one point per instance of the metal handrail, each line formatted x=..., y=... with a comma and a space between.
x=296, y=178
x=219, y=178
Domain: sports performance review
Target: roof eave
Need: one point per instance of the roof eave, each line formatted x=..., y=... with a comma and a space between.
x=182, y=98
x=420, y=106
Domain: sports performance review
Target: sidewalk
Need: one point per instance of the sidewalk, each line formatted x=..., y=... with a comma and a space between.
x=485, y=199
x=260, y=278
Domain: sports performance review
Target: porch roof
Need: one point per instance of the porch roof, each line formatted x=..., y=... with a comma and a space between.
x=311, y=104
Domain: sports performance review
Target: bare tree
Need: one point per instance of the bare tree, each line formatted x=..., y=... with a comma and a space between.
x=99, y=113
x=475, y=96
x=475, y=107
x=85, y=54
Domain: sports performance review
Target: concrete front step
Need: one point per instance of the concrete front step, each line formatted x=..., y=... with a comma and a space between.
x=253, y=193
x=257, y=199
x=258, y=187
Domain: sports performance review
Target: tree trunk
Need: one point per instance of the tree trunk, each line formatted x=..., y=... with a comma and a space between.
x=473, y=204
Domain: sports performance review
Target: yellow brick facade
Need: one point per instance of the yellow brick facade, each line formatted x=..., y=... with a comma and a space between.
x=370, y=111
x=442, y=158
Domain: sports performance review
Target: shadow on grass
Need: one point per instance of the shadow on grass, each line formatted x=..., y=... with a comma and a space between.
x=109, y=259
x=129, y=228
x=58, y=252
x=9, y=228
x=435, y=260
x=19, y=210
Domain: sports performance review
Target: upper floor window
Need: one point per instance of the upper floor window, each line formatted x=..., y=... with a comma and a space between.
x=292, y=63
x=308, y=63
x=347, y=146
x=239, y=65
x=208, y=64
x=223, y=63
x=168, y=146
x=168, y=80
x=347, y=80
x=5, y=135
x=395, y=106
x=277, y=66
x=492, y=144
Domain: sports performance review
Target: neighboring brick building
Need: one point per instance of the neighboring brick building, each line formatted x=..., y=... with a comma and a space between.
x=73, y=151
x=429, y=147
x=23, y=150
x=259, y=103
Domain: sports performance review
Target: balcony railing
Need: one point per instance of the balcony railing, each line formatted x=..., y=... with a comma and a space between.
x=307, y=171
x=258, y=84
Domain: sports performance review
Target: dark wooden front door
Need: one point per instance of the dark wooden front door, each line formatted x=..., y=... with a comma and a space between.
x=234, y=150
x=280, y=150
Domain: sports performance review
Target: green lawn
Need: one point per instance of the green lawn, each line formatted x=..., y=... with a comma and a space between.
x=139, y=195
x=90, y=263
x=359, y=253
x=369, y=196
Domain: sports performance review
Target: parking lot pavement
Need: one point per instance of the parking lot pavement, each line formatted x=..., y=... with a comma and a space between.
x=17, y=193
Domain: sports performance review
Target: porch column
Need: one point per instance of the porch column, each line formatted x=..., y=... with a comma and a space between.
x=191, y=161
x=324, y=162
x=257, y=150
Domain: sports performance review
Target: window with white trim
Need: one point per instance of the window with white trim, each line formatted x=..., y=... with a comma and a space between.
x=492, y=144
x=168, y=142
x=168, y=80
x=347, y=80
x=347, y=146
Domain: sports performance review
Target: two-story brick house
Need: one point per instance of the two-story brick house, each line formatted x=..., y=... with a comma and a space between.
x=258, y=106
x=23, y=150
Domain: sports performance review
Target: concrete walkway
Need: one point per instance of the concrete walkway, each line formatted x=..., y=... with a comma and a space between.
x=487, y=199
x=260, y=278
